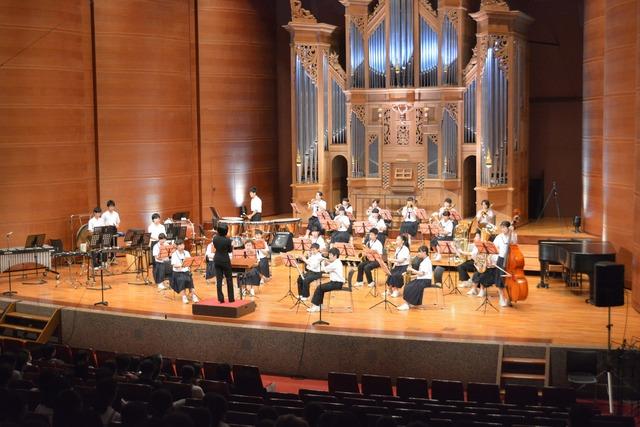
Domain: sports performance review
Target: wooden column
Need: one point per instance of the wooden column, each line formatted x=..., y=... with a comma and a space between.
x=636, y=235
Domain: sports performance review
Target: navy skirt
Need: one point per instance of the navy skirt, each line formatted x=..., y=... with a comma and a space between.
x=414, y=290
x=396, y=279
x=210, y=272
x=181, y=280
x=409, y=227
x=162, y=271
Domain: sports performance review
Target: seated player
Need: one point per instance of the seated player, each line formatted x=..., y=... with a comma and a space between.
x=341, y=235
x=263, y=257
x=316, y=237
x=181, y=279
x=446, y=234
x=401, y=260
x=366, y=267
x=413, y=291
x=162, y=265
x=313, y=270
x=336, y=280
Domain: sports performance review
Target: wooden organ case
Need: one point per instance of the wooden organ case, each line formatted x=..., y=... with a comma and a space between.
x=423, y=108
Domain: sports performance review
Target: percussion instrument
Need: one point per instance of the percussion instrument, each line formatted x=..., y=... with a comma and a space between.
x=11, y=257
x=287, y=224
x=237, y=242
x=251, y=226
x=83, y=236
x=235, y=224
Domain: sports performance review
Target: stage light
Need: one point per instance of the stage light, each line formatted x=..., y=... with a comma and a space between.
x=577, y=222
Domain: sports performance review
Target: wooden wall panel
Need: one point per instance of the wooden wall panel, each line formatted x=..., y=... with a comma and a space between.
x=145, y=79
x=238, y=103
x=636, y=233
x=592, y=115
x=46, y=122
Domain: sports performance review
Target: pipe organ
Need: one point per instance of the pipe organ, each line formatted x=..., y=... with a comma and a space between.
x=431, y=103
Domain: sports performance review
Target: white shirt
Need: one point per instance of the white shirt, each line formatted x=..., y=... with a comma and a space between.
x=489, y=218
x=262, y=253
x=209, y=254
x=425, y=269
x=335, y=271
x=375, y=245
x=409, y=214
x=447, y=227
x=372, y=219
x=95, y=222
x=502, y=243
x=320, y=241
x=111, y=218
x=313, y=262
x=381, y=225
x=343, y=222
x=156, y=230
x=402, y=256
x=256, y=204
x=176, y=261
x=317, y=206
x=156, y=252
x=348, y=209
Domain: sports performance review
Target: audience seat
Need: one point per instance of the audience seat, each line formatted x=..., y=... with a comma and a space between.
x=407, y=387
x=376, y=384
x=483, y=393
x=447, y=390
x=248, y=380
x=339, y=381
x=521, y=394
x=558, y=396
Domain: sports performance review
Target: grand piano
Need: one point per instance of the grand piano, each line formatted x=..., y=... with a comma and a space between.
x=576, y=256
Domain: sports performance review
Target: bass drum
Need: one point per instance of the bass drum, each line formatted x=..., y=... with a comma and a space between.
x=83, y=237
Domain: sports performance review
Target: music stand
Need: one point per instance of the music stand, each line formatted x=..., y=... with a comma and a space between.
x=291, y=262
x=140, y=243
x=487, y=248
x=385, y=214
x=193, y=262
x=447, y=247
x=102, y=238
x=371, y=256
x=361, y=227
x=301, y=244
x=295, y=209
x=383, y=265
x=421, y=214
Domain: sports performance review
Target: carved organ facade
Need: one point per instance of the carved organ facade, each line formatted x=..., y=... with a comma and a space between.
x=428, y=105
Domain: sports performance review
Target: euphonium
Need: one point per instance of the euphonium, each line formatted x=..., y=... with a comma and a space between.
x=481, y=263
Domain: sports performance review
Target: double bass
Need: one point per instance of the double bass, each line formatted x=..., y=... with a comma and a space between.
x=515, y=282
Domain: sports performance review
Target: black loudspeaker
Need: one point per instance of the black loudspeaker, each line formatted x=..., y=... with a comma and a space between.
x=608, y=284
x=282, y=242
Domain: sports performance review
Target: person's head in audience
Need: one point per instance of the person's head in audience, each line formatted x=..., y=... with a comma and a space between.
x=267, y=413
x=134, y=414
x=177, y=419
x=201, y=417
x=123, y=361
x=81, y=370
x=290, y=420
x=223, y=372
x=188, y=374
x=217, y=406
x=67, y=406
x=147, y=369
x=107, y=369
x=50, y=384
x=157, y=364
x=312, y=412
x=386, y=421
x=105, y=394
x=23, y=359
x=161, y=402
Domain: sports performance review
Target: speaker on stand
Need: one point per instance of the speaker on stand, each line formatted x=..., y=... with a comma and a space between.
x=282, y=242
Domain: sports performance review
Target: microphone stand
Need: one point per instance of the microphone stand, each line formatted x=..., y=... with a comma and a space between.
x=10, y=291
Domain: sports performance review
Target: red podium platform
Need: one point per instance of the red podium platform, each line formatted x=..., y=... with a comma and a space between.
x=211, y=307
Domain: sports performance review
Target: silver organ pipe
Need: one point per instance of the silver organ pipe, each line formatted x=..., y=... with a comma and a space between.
x=449, y=146
x=306, y=124
x=401, y=43
x=357, y=57
x=325, y=100
x=338, y=114
x=470, y=113
x=494, y=122
x=377, y=58
x=449, y=53
x=357, y=146
x=374, y=163
x=428, y=55
x=432, y=157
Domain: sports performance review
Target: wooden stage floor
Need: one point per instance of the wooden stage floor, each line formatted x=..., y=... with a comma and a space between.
x=557, y=316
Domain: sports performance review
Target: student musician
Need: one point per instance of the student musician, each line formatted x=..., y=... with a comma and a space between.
x=375, y=206
x=502, y=241
x=341, y=235
x=445, y=234
x=222, y=262
x=96, y=220
x=485, y=215
x=316, y=205
x=409, y=220
x=468, y=266
x=316, y=237
x=253, y=276
x=313, y=270
x=336, y=280
x=447, y=206
x=112, y=218
x=263, y=257
x=162, y=252
x=155, y=228
x=401, y=260
x=412, y=294
x=210, y=271
x=256, y=205
x=366, y=267
x=348, y=209
x=181, y=279
x=379, y=224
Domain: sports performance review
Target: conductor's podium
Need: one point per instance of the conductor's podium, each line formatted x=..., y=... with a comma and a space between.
x=212, y=308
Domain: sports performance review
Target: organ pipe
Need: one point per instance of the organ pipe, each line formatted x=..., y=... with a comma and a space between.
x=377, y=58
x=357, y=57
x=374, y=164
x=432, y=157
x=338, y=114
x=470, y=113
x=449, y=53
x=357, y=146
x=449, y=146
x=306, y=124
x=428, y=55
x=401, y=43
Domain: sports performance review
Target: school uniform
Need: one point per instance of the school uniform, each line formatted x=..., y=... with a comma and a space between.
x=162, y=269
x=321, y=243
x=95, y=257
x=396, y=278
x=413, y=291
x=341, y=235
x=366, y=267
x=447, y=227
x=336, y=281
x=262, y=255
x=181, y=277
x=256, y=206
x=468, y=266
x=313, y=272
x=314, y=222
x=155, y=230
x=409, y=222
x=210, y=271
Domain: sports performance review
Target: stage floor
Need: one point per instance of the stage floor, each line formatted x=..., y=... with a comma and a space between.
x=557, y=316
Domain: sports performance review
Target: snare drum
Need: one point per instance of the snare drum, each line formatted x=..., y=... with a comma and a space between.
x=252, y=226
x=287, y=224
x=234, y=224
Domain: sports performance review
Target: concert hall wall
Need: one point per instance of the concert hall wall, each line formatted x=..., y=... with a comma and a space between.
x=611, y=125
x=185, y=106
